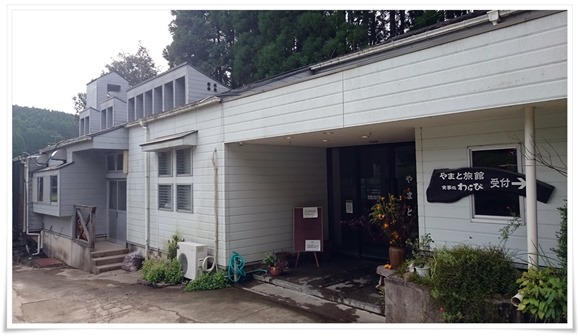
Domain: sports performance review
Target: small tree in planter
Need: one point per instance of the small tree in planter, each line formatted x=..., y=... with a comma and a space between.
x=422, y=254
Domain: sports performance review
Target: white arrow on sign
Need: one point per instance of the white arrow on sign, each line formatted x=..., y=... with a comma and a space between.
x=522, y=183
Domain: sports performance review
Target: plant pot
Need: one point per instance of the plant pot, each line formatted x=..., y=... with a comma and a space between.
x=397, y=256
x=275, y=271
x=422, y=271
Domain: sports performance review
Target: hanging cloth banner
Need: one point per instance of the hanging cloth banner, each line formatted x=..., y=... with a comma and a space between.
x=451, y=185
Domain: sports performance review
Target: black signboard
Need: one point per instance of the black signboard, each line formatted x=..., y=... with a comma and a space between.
x=450, y=185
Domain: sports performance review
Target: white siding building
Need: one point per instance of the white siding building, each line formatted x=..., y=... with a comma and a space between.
x=226, y=168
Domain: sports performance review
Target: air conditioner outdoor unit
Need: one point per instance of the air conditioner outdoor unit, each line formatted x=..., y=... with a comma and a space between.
x=190, y=256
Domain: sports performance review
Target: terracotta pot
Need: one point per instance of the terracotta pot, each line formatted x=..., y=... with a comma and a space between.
x=397, y=256
x=275, y=271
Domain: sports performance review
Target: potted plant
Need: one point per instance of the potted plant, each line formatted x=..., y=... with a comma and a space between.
x=422, y=254
x=396, y=216
x=275, y=264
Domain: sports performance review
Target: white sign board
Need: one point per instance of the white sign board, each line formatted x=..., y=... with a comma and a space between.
x=311, y=212
x=349, y=207
x=312, y=245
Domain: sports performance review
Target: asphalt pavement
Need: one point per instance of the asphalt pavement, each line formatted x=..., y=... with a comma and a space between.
x=63, y=295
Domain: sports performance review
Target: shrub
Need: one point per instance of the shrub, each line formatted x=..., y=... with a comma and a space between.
x=172, y=246
x=545, y=290
x=162, y=271
x=208, y=281
x=545, y=294
x=173, y=272
x=466, y=280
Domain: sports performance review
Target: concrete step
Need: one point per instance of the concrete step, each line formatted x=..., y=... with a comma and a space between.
x=113, y=259
x=100, y=254
x=106, y=268
x=329, y=309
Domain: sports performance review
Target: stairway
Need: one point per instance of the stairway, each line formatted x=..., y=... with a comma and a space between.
x=108, y=259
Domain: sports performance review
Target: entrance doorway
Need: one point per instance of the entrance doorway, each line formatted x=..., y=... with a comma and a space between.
x=117, y=211
x=358, y=177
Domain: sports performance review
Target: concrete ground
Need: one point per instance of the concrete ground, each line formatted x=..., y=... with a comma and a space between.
x=61, y=294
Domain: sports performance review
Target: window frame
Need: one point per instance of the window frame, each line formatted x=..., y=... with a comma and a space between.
x=54, y=189
x=492, y=218
x=40, y=189
x=190, y=203
x=188, y=159
x=169, y=164
x=169, y=194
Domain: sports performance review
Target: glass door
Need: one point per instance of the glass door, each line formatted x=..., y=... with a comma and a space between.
x=117, y=211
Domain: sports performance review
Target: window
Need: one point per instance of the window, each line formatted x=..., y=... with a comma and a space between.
x=111, y=162
x=119, y=162
x=114, y=162
x=183, y=161
x=40, y=189
x=164, y=197
x=494, y=203
x=54, y=189
x=183, y=197
x=164, y=163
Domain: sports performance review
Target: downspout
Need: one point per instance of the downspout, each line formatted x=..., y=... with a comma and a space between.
x=215, y=201
x=26, y=209
x=531, y=193
x=147, y=183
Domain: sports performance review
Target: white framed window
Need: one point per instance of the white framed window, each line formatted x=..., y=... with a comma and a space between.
x=54, y=189
x=40, y=189
x=183, y=161
x=164, y=163
x=184, y=197
x=114, y=162
x=164, y=199
x=494, y=205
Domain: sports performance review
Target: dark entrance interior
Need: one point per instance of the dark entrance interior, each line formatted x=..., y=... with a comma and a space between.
x=357, y=177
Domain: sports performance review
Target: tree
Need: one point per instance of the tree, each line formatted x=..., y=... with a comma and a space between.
x=34, y=128
x=241, y=47
x=135, y=68
x=80, y=102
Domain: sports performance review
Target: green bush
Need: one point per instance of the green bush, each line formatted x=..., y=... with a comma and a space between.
x=173, y=272
x=545, y=294
x=465, y=281
x=545, y=290
x=162, y=271
x=172, y=245
x=208, y=281
x=561, y=249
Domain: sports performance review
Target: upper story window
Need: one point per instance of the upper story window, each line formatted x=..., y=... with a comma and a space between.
x=164, y=163
x=183, y=161
x=40, y=189
x=495, y=204
x=54, y=189
x=114, y=162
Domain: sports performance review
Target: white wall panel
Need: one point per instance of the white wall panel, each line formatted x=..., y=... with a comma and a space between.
x=451, y=223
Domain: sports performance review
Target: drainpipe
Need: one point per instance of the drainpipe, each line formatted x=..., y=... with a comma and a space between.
x=147, y=183
x=531, y=193
x=26, y=209
x=215, y=201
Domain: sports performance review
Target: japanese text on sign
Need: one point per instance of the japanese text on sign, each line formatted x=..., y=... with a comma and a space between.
x=450, y=185
x=311, y=212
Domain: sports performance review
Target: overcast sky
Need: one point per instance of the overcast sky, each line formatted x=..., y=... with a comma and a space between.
x=56, y=51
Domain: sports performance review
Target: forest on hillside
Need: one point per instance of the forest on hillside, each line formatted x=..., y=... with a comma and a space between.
x=35, y=128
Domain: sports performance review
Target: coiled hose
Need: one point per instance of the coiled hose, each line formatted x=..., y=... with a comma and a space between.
x=236, y=268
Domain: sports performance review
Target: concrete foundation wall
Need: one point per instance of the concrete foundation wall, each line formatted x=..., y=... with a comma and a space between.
x=407, y=302
x=67, y=250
